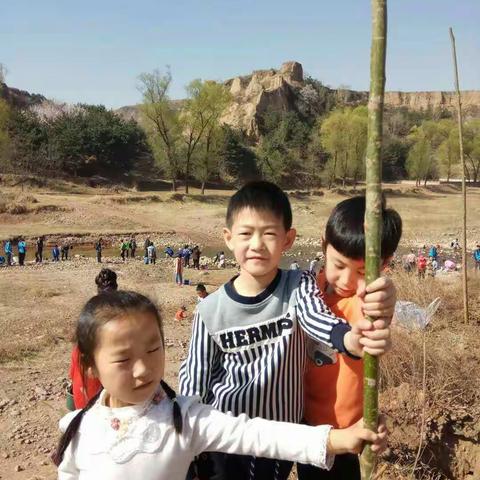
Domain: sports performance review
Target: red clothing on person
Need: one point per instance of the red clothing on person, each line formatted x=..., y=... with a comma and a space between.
x=422, y=263
x=82, y=393
x=181, y=314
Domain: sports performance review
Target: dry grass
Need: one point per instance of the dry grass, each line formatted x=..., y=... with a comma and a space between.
x=451, y=395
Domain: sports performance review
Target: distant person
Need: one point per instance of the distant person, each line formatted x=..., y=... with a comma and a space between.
x=181, y=313
x=221, y=260
x=64, y=251
x=186, y=256
x=98, y=249
x=84, y=385
x=410, y=261
x=421, y=266
x=152, y=254
x=294, y=265
x=178, y=265
x=133, y=247
x=196, y=253
x=476, y=258
x=433, y=252
x=201, y=292
x=22, y=251
x=169, y=252
x=430, y=271
x=146, y=244
x=449, y=266
x=435, y=266
x=314, y=266
x=8, y=252
x=124, y=250
x=56, y=253
x=455, y=244
x=39, y=250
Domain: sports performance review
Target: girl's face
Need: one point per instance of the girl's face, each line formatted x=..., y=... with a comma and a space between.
x=129, y=358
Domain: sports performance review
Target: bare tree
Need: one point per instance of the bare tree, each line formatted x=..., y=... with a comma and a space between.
x=464, y=187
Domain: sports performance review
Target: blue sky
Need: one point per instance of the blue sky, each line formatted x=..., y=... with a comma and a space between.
x=93, y=51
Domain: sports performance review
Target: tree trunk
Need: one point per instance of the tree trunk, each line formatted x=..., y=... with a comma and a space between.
x=203, y=188
x=187, y=173
x=464, y=187
x=373, y=212
x=174, y=184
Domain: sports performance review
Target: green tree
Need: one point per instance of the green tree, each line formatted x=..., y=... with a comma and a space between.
x=472, y=149
x=4, y=140
x=344, y=138
x=448, y=152
x=238, y=162
x=199, y=119
x=283, y=147
x=160, y=118
x=420, y=161
x=93, y=140
x=333, y=141
x=357, y=138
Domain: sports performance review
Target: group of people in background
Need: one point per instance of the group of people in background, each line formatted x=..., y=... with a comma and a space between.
x=9, y=258
x=429, y=263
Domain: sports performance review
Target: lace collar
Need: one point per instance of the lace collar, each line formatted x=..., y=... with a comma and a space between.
x=124, y=432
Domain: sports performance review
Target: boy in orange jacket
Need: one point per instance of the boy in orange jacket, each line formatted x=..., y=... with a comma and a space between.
x=334, y=383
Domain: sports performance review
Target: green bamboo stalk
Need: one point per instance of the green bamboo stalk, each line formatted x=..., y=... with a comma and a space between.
x=373, y=213
x=464, y=187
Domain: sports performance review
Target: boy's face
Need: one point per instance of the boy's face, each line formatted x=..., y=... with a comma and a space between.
x=344, y=274
x=201, y=293
x=258, y=239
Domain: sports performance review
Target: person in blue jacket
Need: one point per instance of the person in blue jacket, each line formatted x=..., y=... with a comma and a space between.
x=476, y=258
x=8, y=252
x=22, y=251
x=433, y=253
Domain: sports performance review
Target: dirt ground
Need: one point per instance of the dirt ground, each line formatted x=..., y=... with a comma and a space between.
x=39, y=305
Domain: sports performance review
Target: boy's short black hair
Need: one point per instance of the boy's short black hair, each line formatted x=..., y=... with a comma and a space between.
x=261, y=195
x=345, y=230
x=201, y=288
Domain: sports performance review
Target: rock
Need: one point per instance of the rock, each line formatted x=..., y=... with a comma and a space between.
x=19, y=468
x=40, y=391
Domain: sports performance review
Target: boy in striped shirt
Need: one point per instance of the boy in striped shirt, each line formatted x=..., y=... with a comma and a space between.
x=248, y=348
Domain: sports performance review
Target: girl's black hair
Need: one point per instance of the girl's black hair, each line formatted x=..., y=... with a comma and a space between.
x=98, y=311
x=106, y=280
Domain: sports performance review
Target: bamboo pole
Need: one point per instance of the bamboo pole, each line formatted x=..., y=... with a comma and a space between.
x=373, y=213
x=464, y=187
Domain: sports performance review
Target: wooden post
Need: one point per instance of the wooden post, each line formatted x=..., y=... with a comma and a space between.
x=464, y=187
x=373, y=213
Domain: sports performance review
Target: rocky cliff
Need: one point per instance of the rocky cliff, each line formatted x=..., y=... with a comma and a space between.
x=280, y=90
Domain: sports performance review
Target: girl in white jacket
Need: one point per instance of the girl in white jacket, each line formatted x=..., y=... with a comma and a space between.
x=136, y=427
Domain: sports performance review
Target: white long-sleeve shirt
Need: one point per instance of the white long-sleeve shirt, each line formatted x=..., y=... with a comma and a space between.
x=144, y=444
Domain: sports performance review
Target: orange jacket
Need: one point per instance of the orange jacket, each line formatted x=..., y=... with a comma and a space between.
x=334, y=392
